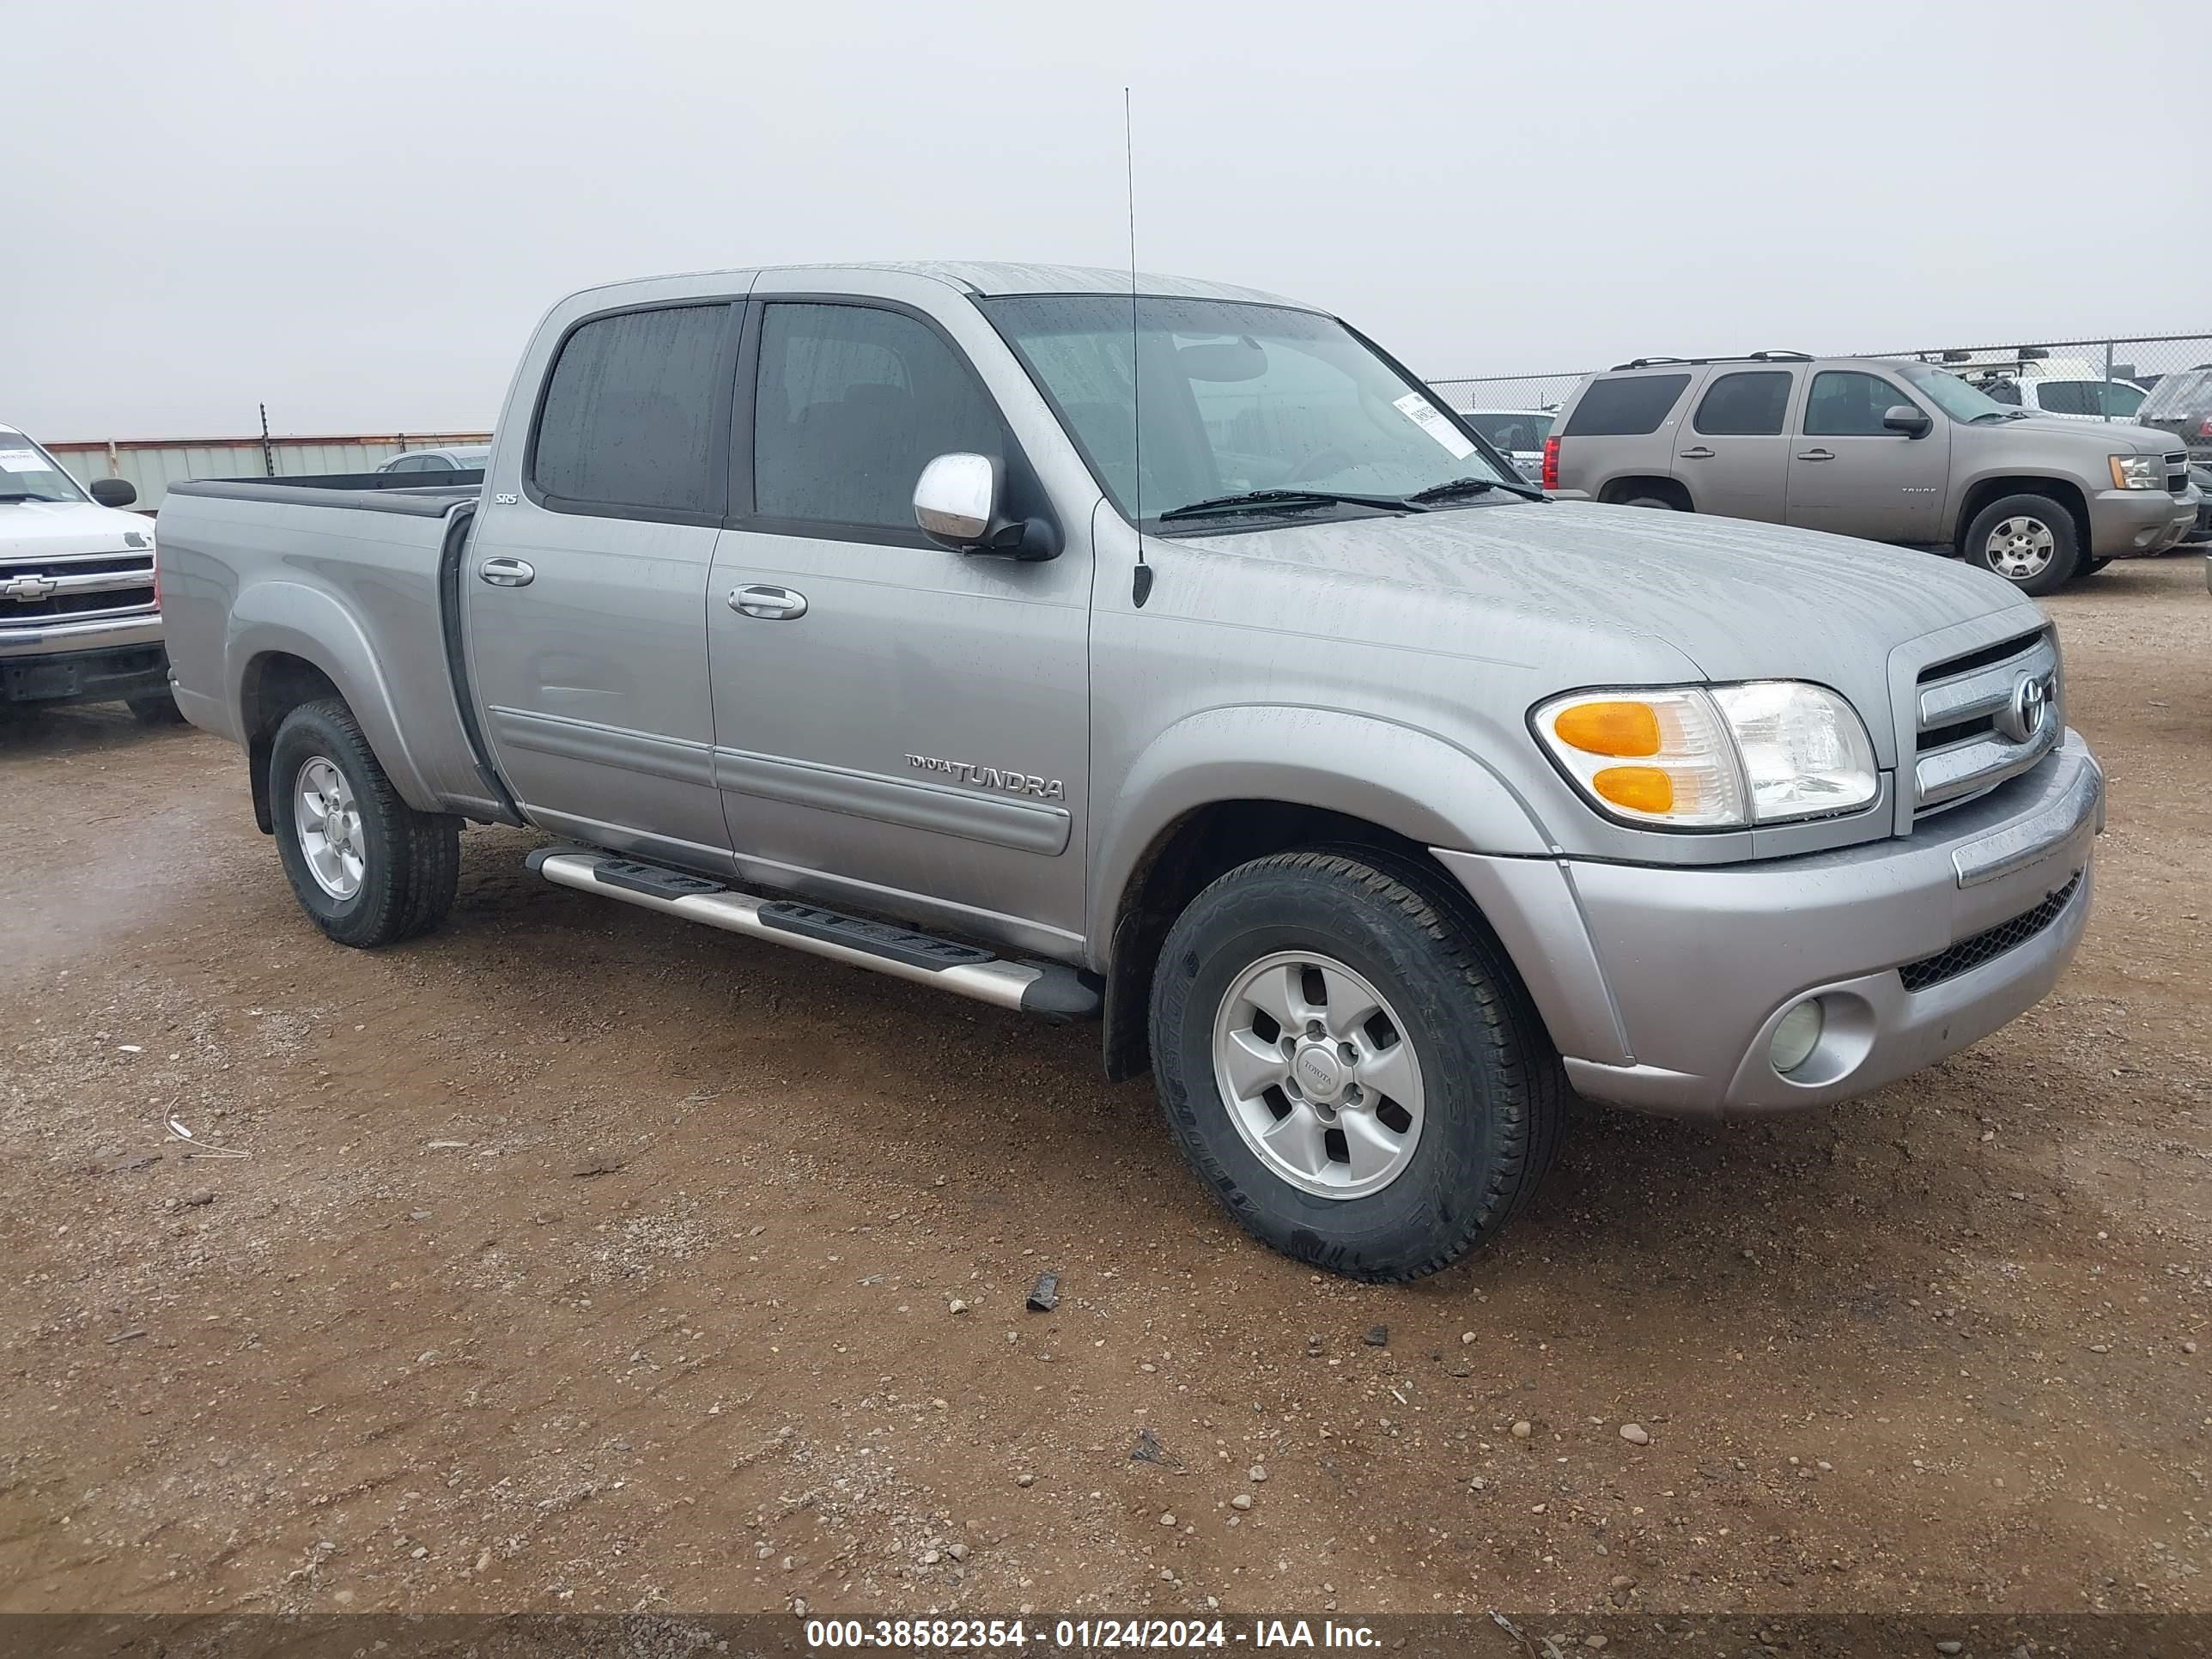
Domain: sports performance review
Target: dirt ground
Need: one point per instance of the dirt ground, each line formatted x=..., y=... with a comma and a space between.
x=585, y=1259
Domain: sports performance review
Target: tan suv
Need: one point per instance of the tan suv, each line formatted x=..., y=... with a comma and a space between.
x=1893, y=452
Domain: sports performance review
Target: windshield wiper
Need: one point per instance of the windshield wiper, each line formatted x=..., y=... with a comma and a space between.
x=1255, y=500
x=29, y=496
x=1451, y=487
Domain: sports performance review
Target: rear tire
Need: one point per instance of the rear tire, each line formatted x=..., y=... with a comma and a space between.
x=368, y=868
x=1659, y=502
x=1303, y=1130
x=2029, y=540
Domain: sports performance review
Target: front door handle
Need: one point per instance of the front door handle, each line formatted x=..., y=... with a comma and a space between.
x=1816, y=454
x=506, y=572
x=770, y=603
x=1700, y=453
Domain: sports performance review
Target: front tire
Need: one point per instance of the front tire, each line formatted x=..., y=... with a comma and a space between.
x=368, y=868
x=2029, y=540
x=1350, y=1065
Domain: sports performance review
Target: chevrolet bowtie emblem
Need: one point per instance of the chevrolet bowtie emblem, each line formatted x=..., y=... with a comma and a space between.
x=31, y=588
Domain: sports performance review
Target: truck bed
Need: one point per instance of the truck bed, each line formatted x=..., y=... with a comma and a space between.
x=357, y=575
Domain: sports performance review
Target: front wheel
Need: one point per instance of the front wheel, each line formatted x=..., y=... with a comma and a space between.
x=1350, y=1065
x=367, y=867
x=2029, y=540
x=2090, y=567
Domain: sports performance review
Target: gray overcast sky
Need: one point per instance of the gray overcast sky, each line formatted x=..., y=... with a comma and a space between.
x=356, y=212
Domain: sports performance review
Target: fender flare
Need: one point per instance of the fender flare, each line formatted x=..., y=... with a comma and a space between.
x=1402, y=779
x=307, y=623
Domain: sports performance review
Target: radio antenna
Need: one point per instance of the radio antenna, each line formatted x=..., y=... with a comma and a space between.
x=1140, y=580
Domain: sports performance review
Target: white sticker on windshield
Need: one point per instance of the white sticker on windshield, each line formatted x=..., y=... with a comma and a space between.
x=1431, y=420
x=21, y=460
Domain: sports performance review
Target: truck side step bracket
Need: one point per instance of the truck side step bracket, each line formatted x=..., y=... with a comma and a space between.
x=1050, y=989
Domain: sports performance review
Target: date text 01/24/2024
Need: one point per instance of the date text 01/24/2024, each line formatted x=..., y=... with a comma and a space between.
x=943, y=1635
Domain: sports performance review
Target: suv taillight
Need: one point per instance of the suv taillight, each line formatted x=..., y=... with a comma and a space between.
x=2204, y=428
x=1550, y=463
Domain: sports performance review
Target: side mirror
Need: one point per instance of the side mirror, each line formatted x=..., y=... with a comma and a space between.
x=1904, y=417
x=113, y=492
x=958, y=502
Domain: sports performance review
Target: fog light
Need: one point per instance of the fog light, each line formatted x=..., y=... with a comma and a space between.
x=1796, y=1036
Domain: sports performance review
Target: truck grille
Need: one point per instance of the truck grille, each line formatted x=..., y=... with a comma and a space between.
x=1984, y=717
x=1989, y=944
x=2177, y=471
x=75, y=587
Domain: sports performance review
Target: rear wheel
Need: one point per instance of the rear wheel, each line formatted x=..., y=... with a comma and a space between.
x=2029, y=540
x=1350, y=1065
x=1658, y=502
x=367, y=867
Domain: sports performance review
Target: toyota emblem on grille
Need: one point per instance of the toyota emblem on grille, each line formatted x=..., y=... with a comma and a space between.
x=30, y=588
x=2022, y=718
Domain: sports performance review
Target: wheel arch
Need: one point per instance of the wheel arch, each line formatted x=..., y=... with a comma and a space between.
x=290, y=644
x=1187, y=817
x=1979, y=494
x=1670, y=489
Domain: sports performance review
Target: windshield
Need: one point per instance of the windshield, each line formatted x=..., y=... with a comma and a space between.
x=2178, y=393
x=1234, y=397
x=1951, y=394
x=1523, y=430
x=27, y=473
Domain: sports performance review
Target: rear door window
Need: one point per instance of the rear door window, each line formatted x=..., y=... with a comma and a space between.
x=635, y=417
x=1748, y=403
x=1847, y=403
x=1628, y=406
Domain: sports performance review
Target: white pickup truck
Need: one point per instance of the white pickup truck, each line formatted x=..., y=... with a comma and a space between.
x=80, y=617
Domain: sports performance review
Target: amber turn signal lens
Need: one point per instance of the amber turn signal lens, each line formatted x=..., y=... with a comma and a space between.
x=1639, y=788
x=1609, y=729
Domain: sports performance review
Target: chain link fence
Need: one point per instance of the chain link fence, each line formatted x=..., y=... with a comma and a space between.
x=2017, y=372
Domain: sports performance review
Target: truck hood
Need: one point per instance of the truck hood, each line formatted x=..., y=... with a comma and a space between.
x=2101, y=437
x=33, y=527
x=1556, y=580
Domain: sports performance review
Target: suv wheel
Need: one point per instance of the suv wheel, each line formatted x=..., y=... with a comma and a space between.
x=2029, y=540
x=1350, y=1065
x=367, y=867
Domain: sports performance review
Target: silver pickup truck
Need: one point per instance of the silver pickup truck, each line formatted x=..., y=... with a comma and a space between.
x=1174, y=659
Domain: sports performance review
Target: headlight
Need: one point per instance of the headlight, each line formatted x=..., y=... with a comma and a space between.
x=1724, y=756
x=2138, y=471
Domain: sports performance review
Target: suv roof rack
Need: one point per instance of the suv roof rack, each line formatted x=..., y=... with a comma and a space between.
x=1751, y=357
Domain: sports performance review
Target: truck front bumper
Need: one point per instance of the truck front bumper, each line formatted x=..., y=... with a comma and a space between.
x=2137, y=523
x=1664, y=988
x=113, y=672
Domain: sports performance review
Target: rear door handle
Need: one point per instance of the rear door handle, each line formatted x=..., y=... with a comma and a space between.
x=1700, y=453
x=770, y=603
x=1816, y=454
x=506, y=572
